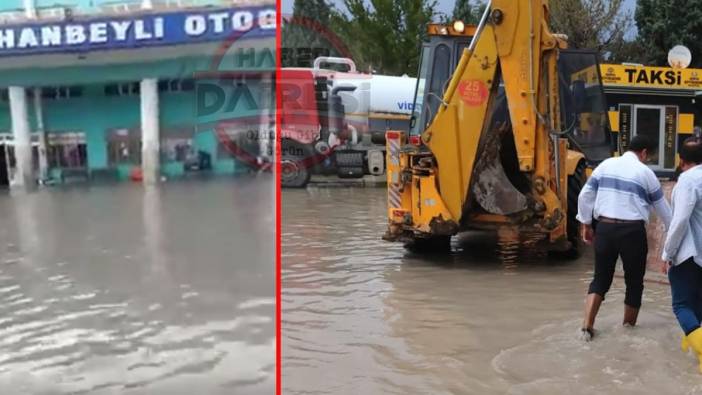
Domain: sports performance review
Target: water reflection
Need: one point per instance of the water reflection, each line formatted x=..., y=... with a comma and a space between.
x=153, y=235
x=129, y=290
x=363, y=316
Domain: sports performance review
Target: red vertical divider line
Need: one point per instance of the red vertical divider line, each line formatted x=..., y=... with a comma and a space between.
x=278, y=202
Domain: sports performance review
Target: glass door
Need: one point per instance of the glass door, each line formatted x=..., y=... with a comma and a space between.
x=650, y=121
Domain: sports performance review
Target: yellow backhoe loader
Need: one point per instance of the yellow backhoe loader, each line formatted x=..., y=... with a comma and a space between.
x=506, y=123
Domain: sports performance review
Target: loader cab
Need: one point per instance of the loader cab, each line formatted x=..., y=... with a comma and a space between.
x=583, y=105
x=584, y=110
x=438, y=60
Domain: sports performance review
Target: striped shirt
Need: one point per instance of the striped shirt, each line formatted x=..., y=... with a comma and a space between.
x=622, y=188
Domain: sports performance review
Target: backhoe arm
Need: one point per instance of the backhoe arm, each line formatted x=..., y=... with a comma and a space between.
x=513, y=43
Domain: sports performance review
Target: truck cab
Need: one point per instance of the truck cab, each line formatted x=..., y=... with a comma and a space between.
x=334, y=119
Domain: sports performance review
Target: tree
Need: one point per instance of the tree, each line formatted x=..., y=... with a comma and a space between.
x=629, y=51
x=464, y=11
x=592, y=24
x=385, y=35
x=306, y=34
x=664, y=24
x=318, y=10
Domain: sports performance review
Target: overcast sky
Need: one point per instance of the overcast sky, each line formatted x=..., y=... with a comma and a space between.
x=445, y=6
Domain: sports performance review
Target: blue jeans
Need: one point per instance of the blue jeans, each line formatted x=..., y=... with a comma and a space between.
x=686, y=289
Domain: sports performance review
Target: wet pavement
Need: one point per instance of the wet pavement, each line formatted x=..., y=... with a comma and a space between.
x=656, y=268
x=362, y=316
x=122, y=290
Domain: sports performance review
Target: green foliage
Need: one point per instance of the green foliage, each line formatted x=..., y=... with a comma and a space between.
x=466, y=11
x=308, y=34
x=314, y=9
x=662, y=24
x=592, y=24
x=628, y=51
x=385, y=35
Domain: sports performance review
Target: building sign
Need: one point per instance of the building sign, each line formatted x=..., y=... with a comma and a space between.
x=147, y=30
x=671, y=128
x=650, y=77
x=624, y=127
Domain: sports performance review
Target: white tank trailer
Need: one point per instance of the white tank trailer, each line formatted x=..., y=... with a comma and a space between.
x=376, y=104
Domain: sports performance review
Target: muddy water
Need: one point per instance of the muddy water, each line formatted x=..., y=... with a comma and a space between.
x=361, y=316
x=117, y=290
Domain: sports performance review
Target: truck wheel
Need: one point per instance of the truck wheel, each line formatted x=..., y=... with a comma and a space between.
x=430, y=245
x=576, y=182
x=294, y=173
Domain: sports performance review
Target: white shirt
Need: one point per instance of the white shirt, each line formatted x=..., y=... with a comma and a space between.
x=684, y=238
x=622, y=188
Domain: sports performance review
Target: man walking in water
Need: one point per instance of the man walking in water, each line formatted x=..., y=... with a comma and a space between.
x=619, y=196
x=683, y=246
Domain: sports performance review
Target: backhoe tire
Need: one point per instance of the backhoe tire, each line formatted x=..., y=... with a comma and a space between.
x=576, y=182
x=430, y=245
x=295, y=173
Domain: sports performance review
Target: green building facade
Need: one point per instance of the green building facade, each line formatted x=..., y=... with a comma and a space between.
x=84, y=101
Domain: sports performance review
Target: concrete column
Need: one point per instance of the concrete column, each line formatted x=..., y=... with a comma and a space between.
x=41, y=131
x=150, y=158
x=267, y=119
x=24, y=176
x=30, y=10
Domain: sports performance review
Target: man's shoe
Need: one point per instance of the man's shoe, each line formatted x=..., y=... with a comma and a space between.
x=586, y=334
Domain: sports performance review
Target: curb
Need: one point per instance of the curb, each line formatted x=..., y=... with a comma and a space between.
x=336, y=182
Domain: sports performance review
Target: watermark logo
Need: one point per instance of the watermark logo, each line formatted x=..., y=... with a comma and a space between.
x=235, y=95
x=324, y=99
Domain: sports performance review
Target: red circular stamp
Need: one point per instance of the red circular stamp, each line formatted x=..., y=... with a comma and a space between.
x=237, y=95
x=473, y=92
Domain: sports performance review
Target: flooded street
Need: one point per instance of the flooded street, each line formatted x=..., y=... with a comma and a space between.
x=362, y=316
x=122, y=290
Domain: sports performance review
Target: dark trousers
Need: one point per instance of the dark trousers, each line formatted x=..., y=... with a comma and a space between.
x=686, y=289
x=627, y=241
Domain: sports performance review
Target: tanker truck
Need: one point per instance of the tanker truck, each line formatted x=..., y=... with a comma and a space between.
x=334, y=122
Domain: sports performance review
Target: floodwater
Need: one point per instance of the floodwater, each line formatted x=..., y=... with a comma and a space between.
x=362, y=316
x=126, y=290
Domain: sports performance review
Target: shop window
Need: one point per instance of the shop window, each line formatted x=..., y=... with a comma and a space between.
x=7, y=140
x=177, y=146
x=49, y=93
x=67, y=150
x=247, y=141
x=58, y=92
x=10, y=152
x=183, y=85
x=124, y=146
x=125, y=89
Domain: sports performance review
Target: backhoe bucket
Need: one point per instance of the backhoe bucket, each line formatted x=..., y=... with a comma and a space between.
x=494, y=191
x=491, y=188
